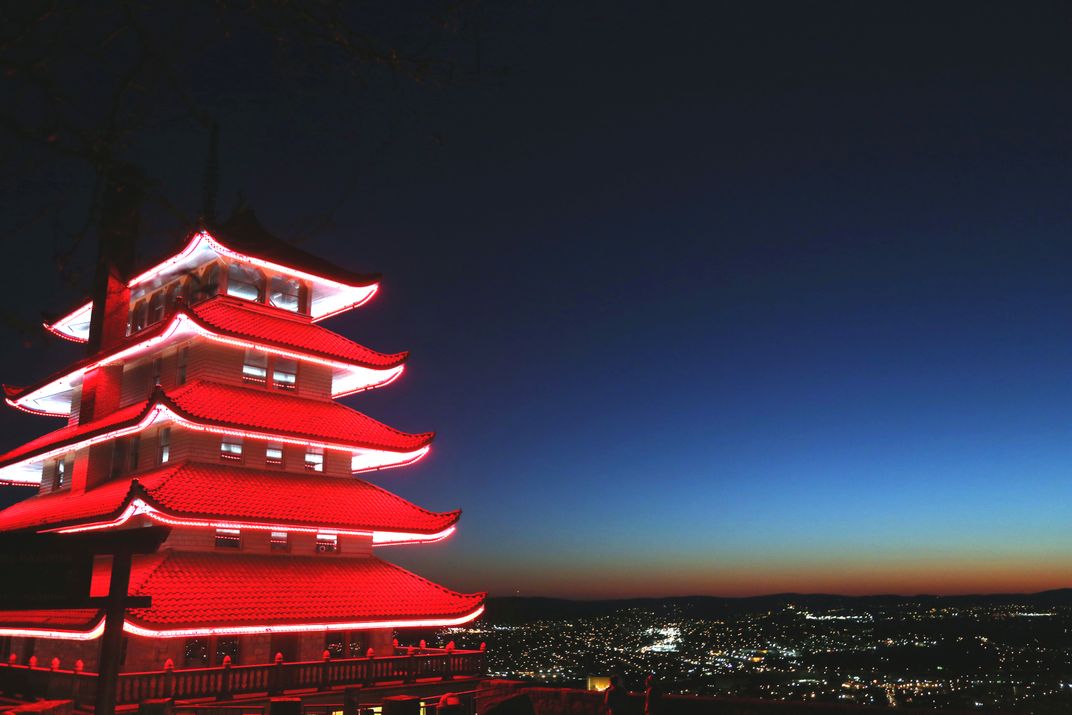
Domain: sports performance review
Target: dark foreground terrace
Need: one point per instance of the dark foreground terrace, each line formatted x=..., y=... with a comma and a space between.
x=406, y=668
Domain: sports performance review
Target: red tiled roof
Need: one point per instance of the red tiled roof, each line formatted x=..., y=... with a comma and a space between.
x=81, y=619
x=235, y=590
x=251, y=592
x=75, y=433
x=236, y=318
x=279, y=413
x=243, y=408
x=64, y=507
x=243, y=233
x=283, y=329
x=214, y=491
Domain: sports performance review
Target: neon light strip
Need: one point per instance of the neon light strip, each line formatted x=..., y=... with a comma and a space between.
x=89, y=635
x=32, y=411
x=301, y=628
x=162, y=413
x=139, y=507
x=68, y=336
x=129, y=627
x=357, y=468
x=363, y=294
x=184, y=323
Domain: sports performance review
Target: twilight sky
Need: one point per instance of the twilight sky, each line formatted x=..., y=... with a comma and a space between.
x=714, y=299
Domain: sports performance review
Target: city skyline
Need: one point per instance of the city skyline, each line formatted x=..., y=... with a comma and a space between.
x=718, y=302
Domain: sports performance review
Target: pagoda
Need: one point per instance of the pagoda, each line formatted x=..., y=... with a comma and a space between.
x=207, y=403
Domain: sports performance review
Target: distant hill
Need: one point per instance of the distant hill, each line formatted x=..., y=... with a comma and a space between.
x=519, y=609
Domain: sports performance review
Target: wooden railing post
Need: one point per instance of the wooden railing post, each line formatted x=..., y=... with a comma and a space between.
x=169, y=678
x=275, y=676
x=448, y=671
x=324, y=683
x=225, y=681
x=370, y=676
x=411, y=666
x=78, y=667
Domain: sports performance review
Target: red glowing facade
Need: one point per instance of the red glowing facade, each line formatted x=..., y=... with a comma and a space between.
x=209, y=407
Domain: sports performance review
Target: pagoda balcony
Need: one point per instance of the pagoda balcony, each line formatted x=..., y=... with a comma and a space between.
x=229, y=682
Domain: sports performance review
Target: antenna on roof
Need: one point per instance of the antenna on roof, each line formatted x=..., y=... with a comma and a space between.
x=211, y=181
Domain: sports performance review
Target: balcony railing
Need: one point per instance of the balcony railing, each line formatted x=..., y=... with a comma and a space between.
x=227, y=681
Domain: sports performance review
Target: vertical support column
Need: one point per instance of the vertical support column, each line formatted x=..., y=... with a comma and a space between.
x=112, y=640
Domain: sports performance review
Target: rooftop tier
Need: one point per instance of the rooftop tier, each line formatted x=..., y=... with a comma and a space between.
x=228, y=322
x=231, y=414
x=261, y=267
x=211, y=496
x=195, y=593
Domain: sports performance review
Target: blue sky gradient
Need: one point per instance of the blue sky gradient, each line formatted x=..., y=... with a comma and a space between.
x=714, y=301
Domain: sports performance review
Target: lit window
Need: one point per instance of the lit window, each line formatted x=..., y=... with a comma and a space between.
x=164, y=439
x=280, y=541
x=285, y=373
x=231, y=448
x=327, y=543
x=255, y=366
x=60, y=479
x=273, y=454
x=286, y=293
x=228, y=539
x=245, y=282
x=314, y=459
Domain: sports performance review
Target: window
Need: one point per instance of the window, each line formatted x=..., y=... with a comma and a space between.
x=195, y=653
x=209, y=285
x=163, y=453
x=255, y=366
x=231, y=448
x=156, y=307
x=135, y=448
x=137, y=317
x=327, y=543
x=335, y=643
x=172, y=296
x=245, y=282
x=280, y=541
x=119, y=456
x=226, y=646
x=158, y=367
x=190, y=286
x=286, y=293
x=285, y=373
x=59, y=479
x=228, y=539
x=273, y=454
x=184, y=356
x=314, y=459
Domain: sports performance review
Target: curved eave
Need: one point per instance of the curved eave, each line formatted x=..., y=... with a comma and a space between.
x=52, y=396
x=95, y=628
x=144, y=506
x=330, y=296
x=365, y=457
